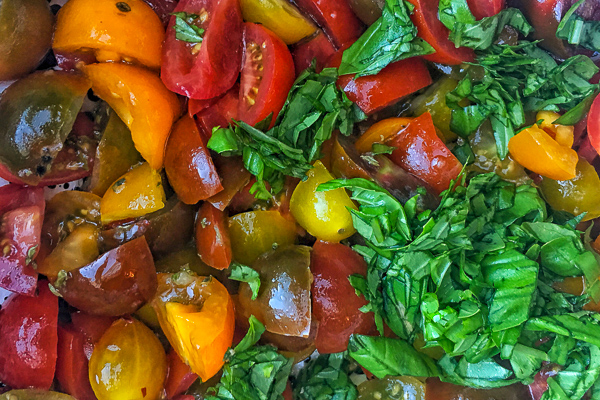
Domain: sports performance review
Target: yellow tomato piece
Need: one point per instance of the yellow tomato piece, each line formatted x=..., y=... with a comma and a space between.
x=142, y=101
x=535, y=149
x=138, y=192
x=128, y=363
x=323, y=214
x=279, y=16
x=381, y=132
x=256, y=232
x=196, y=314
x=114, y=30
x=563, y=134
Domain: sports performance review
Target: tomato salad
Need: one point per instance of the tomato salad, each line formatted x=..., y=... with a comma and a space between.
x=307, y=199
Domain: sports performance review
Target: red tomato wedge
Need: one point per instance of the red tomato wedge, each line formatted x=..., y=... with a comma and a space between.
x=21, y=214
x=28, y=328
x=221, y=113
x=425, y=18
x=335, y=17
x=180, y=376
x=335, y=305
x=422, y=153
x=318, y=48
x=195, y=105
x=212, y=237
x=209, y=69
x=92, y=327
x=267, y=75
x=72, y=364
x=188, y=163
x=593, y=124
x=485, y=8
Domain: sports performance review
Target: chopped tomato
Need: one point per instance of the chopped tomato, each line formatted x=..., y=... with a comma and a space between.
x=335, y=17
x=335, y=305
x=422, y=153
x=318, y=48
x=21, y=214
x=195, y=105
x=179, y=377
x=212, y=237
x=544, y=16
x=425, y=18
x=233, y=178
x=188, y=163
x=207, y=69
x=267, y=75
x=163, y=8
x=221, y=113
x=28, y=328
x=72, y=363
x=485, y=8
x=436, y=390
x=92, y=327
x=593, y=124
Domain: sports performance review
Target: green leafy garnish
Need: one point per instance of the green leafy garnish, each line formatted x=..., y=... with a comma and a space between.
x=326, y=377
x=315, y=107
x=186, y=29
x=393, y=37
x=252, y=372
x=575, y=30
x=243, y=273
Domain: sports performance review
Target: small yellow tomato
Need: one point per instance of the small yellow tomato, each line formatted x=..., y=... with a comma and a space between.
x=138, y=192
x=128, y=363
x=563, y=134
x=323, y=214
x=256, y=232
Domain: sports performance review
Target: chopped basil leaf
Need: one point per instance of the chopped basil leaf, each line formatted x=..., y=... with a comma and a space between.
x=186, y=29
x=326, y=377
x=243, y=273
x=575, y=30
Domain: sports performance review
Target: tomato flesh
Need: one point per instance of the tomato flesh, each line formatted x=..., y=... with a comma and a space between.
x=221, y=113
x=72, y=364
x=267, y=75
x=179, y=376
x=593, y=124
x=485, y=8
x=211, y=69
x=28, y=328
x=212, y=237
x=318, y=48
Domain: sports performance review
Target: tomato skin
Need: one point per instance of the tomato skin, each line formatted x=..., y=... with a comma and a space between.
x=212, y=237
x=21, y=214
x=28, y=328
x=335, y=305
x=318, y=48
x=593, y=124
x=162, y=8
x=422, y=153
x=92, y=327
x=335, y=17
x=72, y=364
x=425, y=18
x=179, y=376
x=436, y=390
x=188, y=163
x=486, y=8
x=221, y=113
x=233, y=178
x=214, y=69
x=275, y=69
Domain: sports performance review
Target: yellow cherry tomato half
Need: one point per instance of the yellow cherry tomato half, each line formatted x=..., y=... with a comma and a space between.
x=128, y=363
x=323, y=214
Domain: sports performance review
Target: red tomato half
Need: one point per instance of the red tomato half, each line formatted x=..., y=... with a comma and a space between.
x=318, y=48
x=436, y=390
x=92, y=327
x=267, y=75
x=212, y=237
x=593, y=124
x=221, y=113
x=485, y=8
x=28, y=328
x=335, y=17
x=335, y=304
x=422, y=153
x=425, y=18
x=21, y=213
x=212, y=69
x=72, y=364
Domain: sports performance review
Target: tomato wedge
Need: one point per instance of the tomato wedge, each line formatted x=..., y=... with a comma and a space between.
x=209, y=69
x=267, y=75
x=335, y=17
x=485, y=8
x=221, y=113
x=593, y=124
x=212, y=237
x=318, y=48
x=72, y=363
x=425, y=18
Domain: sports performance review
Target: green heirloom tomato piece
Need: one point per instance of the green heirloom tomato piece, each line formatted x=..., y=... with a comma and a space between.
x=37, y=114
x=25, y=36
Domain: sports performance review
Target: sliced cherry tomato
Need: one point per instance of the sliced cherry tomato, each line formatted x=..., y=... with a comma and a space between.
x=209, y=69
x=72, y=363
x=221, y=113
x=21, y=214
x=212, y=237
x=233, y=178
x=188, y=163
x=335, y=17
x=179, y=377
x=92, y=327
x=436, y=390
x=485, y=8
x=317, y=47
x=425, y=18
x=544, y=16
x=28, y=328
x=267, y=75
x=335, y=305
x=593, y=124
x=195, y=105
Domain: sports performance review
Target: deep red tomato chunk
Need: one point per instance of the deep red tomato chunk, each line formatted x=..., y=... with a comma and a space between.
x=593, y=124
x=335, y=304
x=318, y=48
x=28, y=332
x=485, y=8
x=267, y=75
x=436, y=390
x=212, y=237
x=72, y=363
x=209, y=69
x=221, y=113
x=179, y=377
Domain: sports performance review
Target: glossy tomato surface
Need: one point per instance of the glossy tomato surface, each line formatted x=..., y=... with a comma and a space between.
x=211, y=69
x=317, y=47
x=486, y=8
x=212, y=237
x=72, y=363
